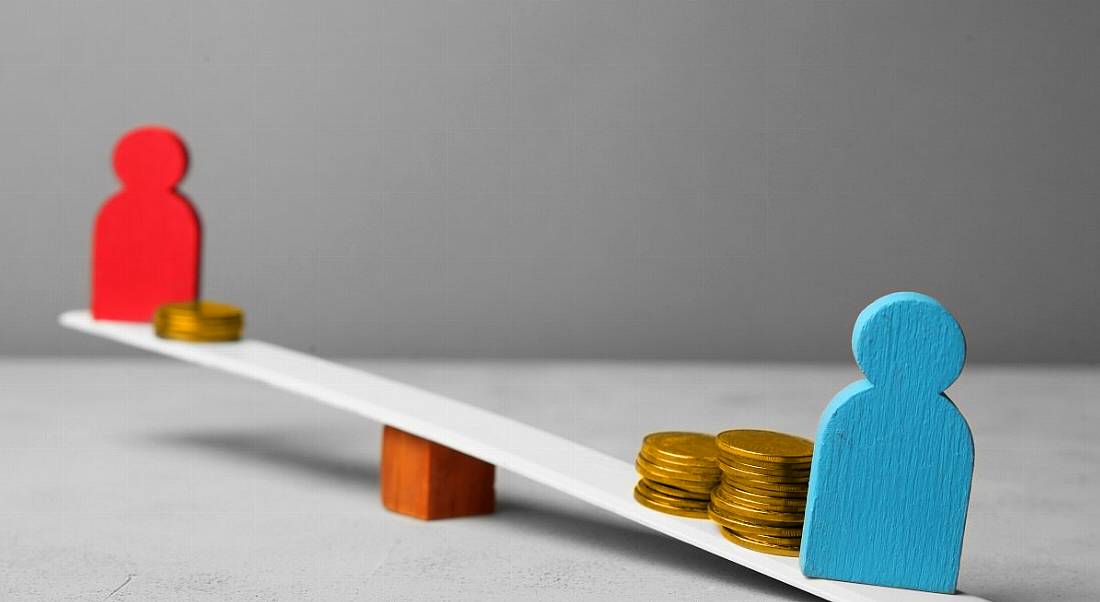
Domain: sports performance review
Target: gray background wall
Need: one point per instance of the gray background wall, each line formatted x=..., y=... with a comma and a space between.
x=632, y=178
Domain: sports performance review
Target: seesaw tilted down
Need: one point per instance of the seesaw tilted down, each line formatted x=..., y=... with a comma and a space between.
x=574, y=469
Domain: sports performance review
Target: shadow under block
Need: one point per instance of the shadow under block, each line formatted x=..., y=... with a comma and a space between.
x=430, y=481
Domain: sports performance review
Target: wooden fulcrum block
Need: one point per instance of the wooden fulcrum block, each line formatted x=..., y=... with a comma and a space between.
x=430, y=481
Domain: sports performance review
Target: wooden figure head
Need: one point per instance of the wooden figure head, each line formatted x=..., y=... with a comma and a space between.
x=150, y=158
x=908, y=340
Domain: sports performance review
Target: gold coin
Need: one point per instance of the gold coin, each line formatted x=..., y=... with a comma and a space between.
x=727, y=461
x=198, y=338
x=763, y=502
x=736, y=474
x=758, y=515
x=676, y=491
x=755, y=515
x=742, y=525
x=765, y=467
x=768, y=497
x=199, y=321
x=645, y=466
x=661, y=461
x=770, y=489
x=699, y=468
x=682, y=448
x=692, y=486
x=697, y=488
x=759, y=546
x=664, y=498
x=667, y=509
x=792, y=489
x=768, y=446
x=201, y=311
x=794, y=542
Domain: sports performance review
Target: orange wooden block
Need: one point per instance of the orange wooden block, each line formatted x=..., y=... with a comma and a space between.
x=429, y=481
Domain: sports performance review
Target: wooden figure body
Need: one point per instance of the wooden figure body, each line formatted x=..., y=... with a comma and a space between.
x=429, y=481
x=893, y=459
x=145, y=249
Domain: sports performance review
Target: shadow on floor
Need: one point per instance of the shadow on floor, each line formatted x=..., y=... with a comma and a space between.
x=628, y=539
x=284, y=450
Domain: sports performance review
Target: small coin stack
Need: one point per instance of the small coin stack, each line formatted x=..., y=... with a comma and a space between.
x=678, y=471
x=199, y=321
x=761, y=502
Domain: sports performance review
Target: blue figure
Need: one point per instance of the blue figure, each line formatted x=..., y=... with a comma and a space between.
x=890, y=479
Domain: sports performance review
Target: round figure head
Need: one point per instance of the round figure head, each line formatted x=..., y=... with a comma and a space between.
x=150, y=158
x=909, y=340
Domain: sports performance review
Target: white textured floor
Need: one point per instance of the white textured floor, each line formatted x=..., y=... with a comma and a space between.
x=152, y=480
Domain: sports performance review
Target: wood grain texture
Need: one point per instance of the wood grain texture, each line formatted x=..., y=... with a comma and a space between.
x=147, y=238
x=893, y=457
x=431, y=481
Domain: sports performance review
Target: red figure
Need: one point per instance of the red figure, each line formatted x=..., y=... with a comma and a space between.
x=145, y=251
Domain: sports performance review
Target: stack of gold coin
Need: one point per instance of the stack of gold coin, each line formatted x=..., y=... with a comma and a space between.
x=199, y=321
x=761, y=502
x=678, y=471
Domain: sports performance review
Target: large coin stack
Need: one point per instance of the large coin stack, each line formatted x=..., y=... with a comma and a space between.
x=199, y=321
x=761, y=502
x=678, y=472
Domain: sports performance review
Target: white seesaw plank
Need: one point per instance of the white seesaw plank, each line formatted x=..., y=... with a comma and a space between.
x=573, y=469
